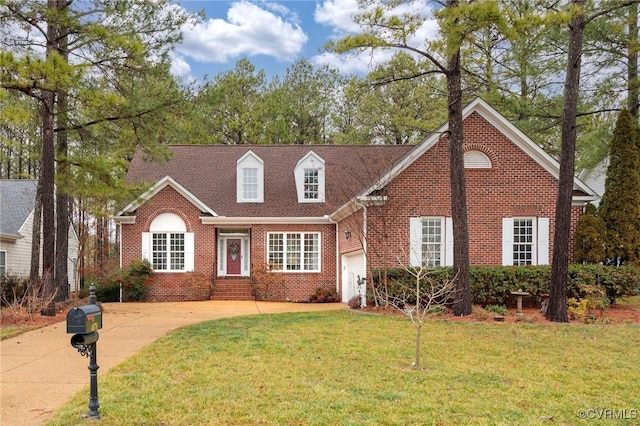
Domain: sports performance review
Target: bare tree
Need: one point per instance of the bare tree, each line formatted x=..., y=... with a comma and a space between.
x=422, y=298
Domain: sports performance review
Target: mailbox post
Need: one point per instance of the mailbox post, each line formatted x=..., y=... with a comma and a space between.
x=85, y=321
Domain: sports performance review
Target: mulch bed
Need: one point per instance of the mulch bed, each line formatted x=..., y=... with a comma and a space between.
x=617, y=314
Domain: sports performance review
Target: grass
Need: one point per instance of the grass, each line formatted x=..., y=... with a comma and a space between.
x=7, y=332
x=630, y=301
x=352, y=369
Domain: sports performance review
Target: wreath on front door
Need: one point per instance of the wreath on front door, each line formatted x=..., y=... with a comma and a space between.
x=234, y=249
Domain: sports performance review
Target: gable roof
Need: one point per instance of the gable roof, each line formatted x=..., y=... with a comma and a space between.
x=503, y=125
x=208, y=174
x=17, y=201
x=159, y=186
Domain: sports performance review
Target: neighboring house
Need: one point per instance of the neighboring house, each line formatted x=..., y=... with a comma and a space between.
x=596, y=178
x=17, y=203
x=323, y=216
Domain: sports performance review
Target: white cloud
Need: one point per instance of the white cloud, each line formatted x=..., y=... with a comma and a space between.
x=339, y=14
x=180, y=67
x=248, y=30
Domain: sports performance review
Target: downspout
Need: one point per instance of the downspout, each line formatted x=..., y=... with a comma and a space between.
x=363, y=301
x=338, y=263
x=120, y=255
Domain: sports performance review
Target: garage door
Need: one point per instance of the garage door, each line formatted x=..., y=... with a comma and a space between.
x=353, y=266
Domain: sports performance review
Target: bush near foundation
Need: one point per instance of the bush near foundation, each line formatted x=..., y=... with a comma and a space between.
x=494, y=284
x=135, y=281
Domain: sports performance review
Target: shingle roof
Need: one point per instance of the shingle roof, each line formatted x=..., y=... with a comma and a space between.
x=209, y=173
x=17, y=200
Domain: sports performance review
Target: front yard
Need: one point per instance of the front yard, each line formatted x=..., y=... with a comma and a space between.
x=345, y=367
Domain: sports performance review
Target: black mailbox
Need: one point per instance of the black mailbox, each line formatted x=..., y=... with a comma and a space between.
x=84, y=319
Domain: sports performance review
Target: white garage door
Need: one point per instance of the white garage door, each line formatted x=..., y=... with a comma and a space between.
x=353, y=266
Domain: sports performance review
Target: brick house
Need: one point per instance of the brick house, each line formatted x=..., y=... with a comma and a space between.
x=324, y=215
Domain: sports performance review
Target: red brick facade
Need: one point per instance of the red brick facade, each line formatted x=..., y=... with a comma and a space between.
x=180, y=286
x=516, y=185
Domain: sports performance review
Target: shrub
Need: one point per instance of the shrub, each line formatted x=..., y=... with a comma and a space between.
x=266, y=284
x=496, y=309
x=355, y=302
x=12, y=288
x=577, y=309
x=324, y=295
x=134, y=281
x=108, y=291
x=494, y=284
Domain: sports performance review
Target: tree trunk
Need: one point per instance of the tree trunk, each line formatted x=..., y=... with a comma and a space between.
x=61, y=277
x=34, y=273
x=48, y=204
x=47, y=165
x=463, y=302
x=557, y=309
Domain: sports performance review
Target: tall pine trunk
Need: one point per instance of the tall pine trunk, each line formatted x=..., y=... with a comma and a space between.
x=36, y=237
x=61, y=277
x=463, y=301
x=557, y=308
x=47, y=165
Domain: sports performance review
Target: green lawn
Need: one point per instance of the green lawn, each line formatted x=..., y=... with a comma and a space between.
x=341, y=368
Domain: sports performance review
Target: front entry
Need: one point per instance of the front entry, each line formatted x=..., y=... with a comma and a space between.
x=234, y=258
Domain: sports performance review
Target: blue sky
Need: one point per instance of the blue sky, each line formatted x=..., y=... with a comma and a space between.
x=274, y=34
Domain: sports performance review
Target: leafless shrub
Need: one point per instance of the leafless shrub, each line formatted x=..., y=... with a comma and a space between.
x=22, y=307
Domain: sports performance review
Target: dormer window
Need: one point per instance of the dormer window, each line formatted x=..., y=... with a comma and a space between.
x=311, y=184
x=310, y=178
x=250, y=183
x=250, y=179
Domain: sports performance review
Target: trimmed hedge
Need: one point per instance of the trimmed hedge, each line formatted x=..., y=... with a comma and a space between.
x=493, y=284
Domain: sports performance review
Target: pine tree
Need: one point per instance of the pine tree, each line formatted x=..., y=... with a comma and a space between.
x=589, y=238
x=620, y=209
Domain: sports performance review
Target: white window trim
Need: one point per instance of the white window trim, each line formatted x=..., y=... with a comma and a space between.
x=311, y=161
x=169, y=223
x=540, y=240
x=284, y=266
x=249, y=161
x=415, y=240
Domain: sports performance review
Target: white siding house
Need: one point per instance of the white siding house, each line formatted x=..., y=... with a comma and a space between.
x=17, y=201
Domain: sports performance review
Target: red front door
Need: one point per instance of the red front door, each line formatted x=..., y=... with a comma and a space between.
x=233, y=257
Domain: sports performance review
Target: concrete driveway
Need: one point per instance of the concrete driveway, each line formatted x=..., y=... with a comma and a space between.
x=40, y=371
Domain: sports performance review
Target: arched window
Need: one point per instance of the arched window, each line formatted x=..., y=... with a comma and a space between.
x=476, y=160
x=168, y=246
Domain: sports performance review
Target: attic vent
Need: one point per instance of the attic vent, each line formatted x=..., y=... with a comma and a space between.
x=476, y=160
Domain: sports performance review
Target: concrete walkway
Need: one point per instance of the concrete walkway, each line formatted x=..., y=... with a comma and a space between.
x=40, y=371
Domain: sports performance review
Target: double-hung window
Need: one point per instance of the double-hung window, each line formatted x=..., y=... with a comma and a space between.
x=250, y=184
x=431, y=241
x=294, y=252
x=525, y=241
x=310, y=176
x=250, y=178
x=311, y=184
